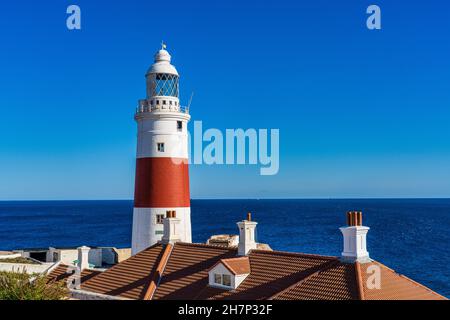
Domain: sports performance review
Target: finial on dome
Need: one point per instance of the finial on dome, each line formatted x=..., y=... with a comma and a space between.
x=163, y=45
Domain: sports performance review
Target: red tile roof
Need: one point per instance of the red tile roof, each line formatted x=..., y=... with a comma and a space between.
x=63, y=272
x=337, y=281
x=186, y=272
x=130, y=278
x=236, y=266
x=393, y=286
x=274, y=275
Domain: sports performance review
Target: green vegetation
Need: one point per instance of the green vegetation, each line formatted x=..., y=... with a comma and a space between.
x=18, y=260
x=22, y=286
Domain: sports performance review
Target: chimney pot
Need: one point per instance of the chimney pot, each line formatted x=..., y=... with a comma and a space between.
x=359, y=215
x=249, y=216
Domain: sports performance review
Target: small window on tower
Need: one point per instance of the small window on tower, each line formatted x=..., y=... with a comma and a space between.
x=164, y=101
x=157, y=101
x=159, y=218
x=179, y=125
x=160, y=147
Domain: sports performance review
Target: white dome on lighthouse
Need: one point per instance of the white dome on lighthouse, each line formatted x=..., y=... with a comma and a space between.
x=162, y=64
x=162, y=77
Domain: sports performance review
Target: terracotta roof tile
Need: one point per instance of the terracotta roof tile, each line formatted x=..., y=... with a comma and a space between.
x=130, y=278
x=393, y=286
x=186, y=272
x=63, y=272
x=271, y=272
x=237, y=266
x=337, y=281
x=274, y=275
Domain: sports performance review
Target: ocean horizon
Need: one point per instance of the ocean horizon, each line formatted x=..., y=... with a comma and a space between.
x=408, y=235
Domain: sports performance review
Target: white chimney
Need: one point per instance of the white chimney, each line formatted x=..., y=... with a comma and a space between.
x=355, y=248
x=83, y=257
x=171, y=228
x=247, y=239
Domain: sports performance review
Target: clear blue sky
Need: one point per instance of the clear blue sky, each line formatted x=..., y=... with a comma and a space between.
x=361, y=113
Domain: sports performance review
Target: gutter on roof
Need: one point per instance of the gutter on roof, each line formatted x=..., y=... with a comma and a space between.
x=158, y=273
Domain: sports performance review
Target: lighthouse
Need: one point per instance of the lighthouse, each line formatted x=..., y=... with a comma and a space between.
x=162, y=173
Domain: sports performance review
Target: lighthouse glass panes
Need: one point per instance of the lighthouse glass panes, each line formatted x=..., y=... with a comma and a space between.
x=164, y=84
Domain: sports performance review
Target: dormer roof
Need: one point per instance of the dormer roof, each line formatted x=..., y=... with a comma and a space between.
x=237, y=266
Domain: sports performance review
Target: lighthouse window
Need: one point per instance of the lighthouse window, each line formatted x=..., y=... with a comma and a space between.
x=179, y=125
x=159, y=218
x=160, y=147
x=164, y=84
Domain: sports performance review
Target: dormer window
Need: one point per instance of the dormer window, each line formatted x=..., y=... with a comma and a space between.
x=229, y=273
x=226, y=280
x=222, y=279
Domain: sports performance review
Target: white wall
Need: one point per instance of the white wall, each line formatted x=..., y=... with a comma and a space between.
x=10, y=256
x=28, y=268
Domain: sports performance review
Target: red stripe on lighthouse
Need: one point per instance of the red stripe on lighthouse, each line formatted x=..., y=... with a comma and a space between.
x=161, y=183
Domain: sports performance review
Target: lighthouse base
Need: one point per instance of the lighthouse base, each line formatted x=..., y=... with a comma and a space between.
x=148, y=227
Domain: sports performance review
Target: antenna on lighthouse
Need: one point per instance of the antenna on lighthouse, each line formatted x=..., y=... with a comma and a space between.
x=190, y=100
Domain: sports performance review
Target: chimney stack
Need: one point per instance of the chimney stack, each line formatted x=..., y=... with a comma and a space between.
x=83, y=257
x=355, y=247
x=247, y=230
x=171, y=228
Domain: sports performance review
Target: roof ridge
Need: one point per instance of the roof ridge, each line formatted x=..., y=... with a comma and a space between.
x=235, y=258
x=202, y=245
x=157, y=275
x=294, y=254
x=326, y=266
x=359, y=280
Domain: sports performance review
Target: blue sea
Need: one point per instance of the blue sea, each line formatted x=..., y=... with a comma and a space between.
x=410, y=236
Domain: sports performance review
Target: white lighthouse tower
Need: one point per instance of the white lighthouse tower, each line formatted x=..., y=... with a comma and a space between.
x=162, y=173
